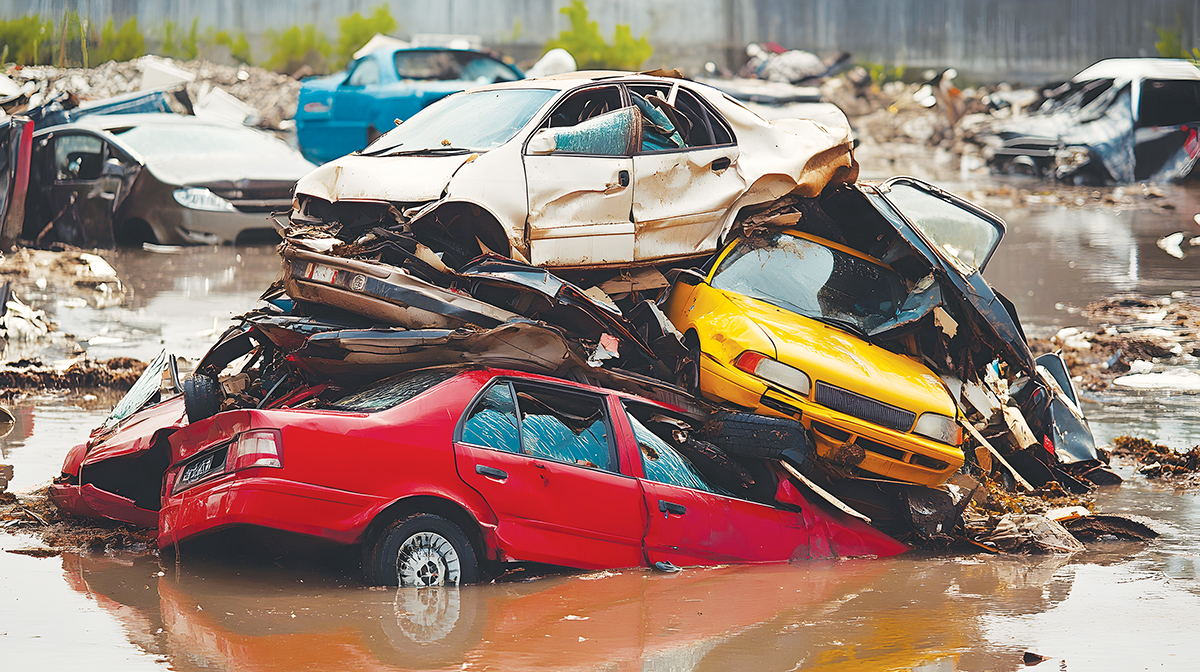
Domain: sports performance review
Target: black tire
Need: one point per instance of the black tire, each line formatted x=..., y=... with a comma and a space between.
x=717, y=466
x=422, y=550
x=753, y=435
x=201, y=399
x=429, y=628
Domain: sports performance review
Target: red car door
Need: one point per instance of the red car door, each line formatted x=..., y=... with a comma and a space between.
x=544, y=459
x=691, y=523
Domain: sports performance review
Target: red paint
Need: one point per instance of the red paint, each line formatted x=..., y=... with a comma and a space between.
x=341, y=470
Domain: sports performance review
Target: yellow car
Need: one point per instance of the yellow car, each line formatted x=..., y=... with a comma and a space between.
x=778, y=326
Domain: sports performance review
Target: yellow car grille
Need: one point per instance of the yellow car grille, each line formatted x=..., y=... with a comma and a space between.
x=864, y=408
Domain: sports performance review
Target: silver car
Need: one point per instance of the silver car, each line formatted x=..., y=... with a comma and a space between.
x=159, y=178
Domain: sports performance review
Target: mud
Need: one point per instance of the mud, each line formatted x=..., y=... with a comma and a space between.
x=1159, y=462
x=118, y=373
x=33, y=513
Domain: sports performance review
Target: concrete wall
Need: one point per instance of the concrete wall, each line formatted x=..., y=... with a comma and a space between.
x=1019, y=40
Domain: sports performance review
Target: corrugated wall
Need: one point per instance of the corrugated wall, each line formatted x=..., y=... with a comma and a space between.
x=988, y=40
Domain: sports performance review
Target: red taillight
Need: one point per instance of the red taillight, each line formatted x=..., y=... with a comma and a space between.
x=748, y=361
x=256, y=448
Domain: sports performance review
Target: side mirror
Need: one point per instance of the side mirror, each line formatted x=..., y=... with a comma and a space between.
x=542, y=142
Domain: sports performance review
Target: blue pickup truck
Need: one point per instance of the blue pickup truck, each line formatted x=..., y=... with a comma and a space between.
x=343, y=112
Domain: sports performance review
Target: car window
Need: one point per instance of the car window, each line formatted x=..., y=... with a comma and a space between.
x=493, y=420
x=480, y=120
x=393, y=391
x=813, y=280
x=956, y=232
x=435, y=64
x=614, y=133
x=366, y=72
x=78, y=157
x=565, y=426
x=583, y=105
x=689, y=118
x=663, y=464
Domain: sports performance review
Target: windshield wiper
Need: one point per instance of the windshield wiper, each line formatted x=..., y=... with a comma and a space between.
x=849, y=326
x=425, y=151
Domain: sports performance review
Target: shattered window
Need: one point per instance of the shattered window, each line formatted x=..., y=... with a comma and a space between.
x=493, y=421
x=567, y=427
x=955, y=231
x=393, y=391
x=813, y=280
x=78, y=157
x=451, y=65
x=663, y=464
x=477, y=121
x=610, y=134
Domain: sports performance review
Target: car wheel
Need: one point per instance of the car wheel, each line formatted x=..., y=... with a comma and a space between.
x=753, y=435
x=423, y=550
x=200, y=398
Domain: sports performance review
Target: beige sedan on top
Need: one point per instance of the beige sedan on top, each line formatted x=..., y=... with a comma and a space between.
x=587, y=169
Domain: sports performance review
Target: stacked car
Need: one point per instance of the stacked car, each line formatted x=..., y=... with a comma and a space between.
x=616, y=320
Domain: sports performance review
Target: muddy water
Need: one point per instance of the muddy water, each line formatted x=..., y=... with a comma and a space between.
x=1118, y=606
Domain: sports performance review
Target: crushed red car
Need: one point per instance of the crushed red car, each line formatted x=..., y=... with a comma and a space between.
x=443, y=473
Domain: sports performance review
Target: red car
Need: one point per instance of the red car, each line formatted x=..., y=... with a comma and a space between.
x=441, y=472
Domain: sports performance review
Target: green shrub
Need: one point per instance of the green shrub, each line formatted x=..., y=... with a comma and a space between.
x=357, y=30
x=118, y=45
x=588, y=47
x=178, y=44
x=239, y=47
x=26, y=40
x=295, y=47
x=882, y=73
x=1170, y=42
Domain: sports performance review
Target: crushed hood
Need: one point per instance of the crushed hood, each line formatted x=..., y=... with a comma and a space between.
x=407, y=179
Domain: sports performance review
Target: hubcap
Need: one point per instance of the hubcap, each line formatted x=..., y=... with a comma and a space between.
x=427, y=559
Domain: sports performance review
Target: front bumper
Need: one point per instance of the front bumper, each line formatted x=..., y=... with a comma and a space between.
x=840, y=438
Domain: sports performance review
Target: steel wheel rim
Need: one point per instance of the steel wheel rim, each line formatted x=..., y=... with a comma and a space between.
x=427, y=559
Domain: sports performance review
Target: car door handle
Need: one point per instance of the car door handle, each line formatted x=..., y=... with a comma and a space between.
x=721, y=164
x=623, y=178
x=671, y=507
x=491, y=472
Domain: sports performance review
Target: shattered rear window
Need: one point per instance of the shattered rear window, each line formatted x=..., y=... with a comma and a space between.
x=393, y=391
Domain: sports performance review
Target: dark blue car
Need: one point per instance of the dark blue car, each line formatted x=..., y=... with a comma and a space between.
x=343, y=112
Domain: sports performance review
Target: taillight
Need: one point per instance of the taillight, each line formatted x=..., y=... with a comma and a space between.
x=256, y=448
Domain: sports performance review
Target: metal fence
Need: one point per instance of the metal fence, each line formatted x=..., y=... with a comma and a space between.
x=1018, y=40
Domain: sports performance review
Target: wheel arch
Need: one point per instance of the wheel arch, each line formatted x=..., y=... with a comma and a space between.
x=459, y=216
x=451, y=510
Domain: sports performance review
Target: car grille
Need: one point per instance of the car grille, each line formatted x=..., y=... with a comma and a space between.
x=864, y=408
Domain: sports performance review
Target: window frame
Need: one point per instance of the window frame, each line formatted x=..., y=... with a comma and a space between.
x=105, y=153
x=565, y=96
x=614, y=454
x=712, y=115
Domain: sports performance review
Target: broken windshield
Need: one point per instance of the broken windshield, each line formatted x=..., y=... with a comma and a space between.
x=813, y=280
x=955, y=231
x=475, y=121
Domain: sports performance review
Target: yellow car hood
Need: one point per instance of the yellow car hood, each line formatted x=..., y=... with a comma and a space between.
x=838, y=358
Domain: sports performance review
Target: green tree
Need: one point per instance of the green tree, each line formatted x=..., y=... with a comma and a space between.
x=118, y=45
x=588, y=47
x=356, y=30
x=1170, y=42
x=295, y=47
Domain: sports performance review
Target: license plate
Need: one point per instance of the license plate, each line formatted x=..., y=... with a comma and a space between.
x=321, y=273
x=201, y=467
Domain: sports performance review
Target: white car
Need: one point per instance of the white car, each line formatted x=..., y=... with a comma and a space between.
x=587, y=169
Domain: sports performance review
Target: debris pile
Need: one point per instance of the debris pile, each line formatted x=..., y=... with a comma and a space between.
x=35, y=513
x=273, y=96
x=1158, y=461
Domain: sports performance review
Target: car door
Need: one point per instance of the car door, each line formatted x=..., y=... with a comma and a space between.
x=691, y=522
x=88, y=182
x=544, y=459
x=578, y=167
x=352, y=104
x=683, y=182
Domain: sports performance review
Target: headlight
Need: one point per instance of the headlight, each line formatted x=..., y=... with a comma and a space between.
x=199, y=198
x=939, y=428
x=775, y=371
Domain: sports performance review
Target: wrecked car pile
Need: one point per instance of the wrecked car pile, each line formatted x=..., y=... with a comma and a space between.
x=414, y=385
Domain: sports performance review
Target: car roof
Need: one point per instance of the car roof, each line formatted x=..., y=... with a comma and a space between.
x=1139, y=68
x=570, y=80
